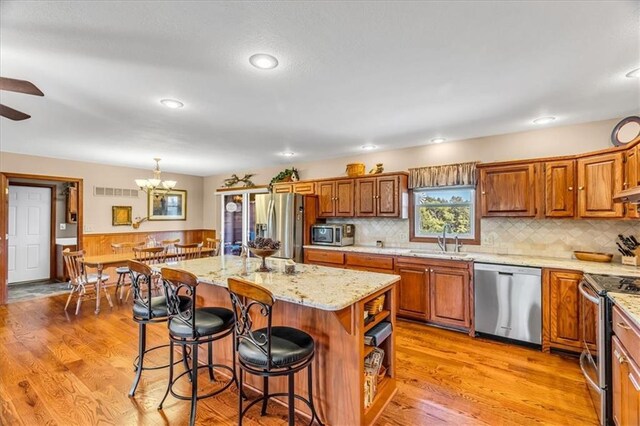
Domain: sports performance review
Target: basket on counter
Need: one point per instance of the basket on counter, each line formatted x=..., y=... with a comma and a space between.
x=355, y=169
x=375, y=306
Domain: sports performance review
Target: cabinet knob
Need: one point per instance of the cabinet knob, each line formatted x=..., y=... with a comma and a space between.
x=581, y=188
x=624, y=185
x=571, y=188
x=483, y=192
x=621, y=358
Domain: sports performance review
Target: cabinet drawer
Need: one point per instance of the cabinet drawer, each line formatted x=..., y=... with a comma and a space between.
x=627, y=333
x=324, y=256
x=369, y=261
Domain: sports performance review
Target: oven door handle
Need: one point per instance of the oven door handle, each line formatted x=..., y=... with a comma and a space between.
x=593, y=384
x=587, y=296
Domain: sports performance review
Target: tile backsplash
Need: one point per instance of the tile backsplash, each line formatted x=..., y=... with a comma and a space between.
x=536, y=237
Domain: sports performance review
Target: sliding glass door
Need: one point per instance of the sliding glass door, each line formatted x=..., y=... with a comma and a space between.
x=237, y=215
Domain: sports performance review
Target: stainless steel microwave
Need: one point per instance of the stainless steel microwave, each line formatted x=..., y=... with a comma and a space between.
x=333, y=235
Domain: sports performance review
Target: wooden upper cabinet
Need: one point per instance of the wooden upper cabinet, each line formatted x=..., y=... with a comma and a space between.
x=508, y=190
x=632, y=178
x=304, y=188
x=282, y=188
x=560, y=188
x=335, y=198
x=599, y=178
x=450, y=296
x=380, y=196
x=72, y=204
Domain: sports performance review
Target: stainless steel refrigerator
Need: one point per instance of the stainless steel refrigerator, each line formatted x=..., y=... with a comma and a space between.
x=281, y=217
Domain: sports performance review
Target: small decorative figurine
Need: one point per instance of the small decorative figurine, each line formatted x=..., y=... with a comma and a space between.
x=234, y=180
x=377, y=169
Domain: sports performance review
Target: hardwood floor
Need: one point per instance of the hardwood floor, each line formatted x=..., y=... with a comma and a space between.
x=67, y=370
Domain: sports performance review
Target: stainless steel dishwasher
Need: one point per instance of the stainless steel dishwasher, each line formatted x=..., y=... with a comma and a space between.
x=508, y=302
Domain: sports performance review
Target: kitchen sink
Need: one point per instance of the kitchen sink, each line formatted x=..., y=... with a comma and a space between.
x=438, y=253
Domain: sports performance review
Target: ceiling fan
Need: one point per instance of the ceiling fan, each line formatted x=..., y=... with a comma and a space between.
x=20, y=86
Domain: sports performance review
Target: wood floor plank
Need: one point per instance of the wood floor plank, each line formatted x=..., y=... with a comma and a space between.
x=61, y=369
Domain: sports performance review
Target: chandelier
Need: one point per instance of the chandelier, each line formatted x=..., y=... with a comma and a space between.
x=156, y=185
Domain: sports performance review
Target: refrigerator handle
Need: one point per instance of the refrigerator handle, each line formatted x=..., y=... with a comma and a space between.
x=270, y=219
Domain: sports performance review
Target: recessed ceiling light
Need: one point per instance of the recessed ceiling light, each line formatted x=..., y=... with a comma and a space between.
x=544, y=120
x=171, y=103
x=368, y=147
x=438, y=140
x=287, y=154
x=263, y=61
x=634, y=73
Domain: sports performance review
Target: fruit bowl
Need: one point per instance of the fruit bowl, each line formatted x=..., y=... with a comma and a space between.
x=263, y=253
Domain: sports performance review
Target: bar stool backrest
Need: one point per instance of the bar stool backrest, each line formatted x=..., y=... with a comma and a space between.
x=178, y=283
x=73, y=262
x=149, y=255
x=141, y=275
x=245, y=297
x=189, y=251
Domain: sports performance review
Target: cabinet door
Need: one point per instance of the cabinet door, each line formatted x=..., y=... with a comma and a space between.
x=344, y=198
x=305, y=188
x=625, y=386
x=559, y=188
x=326, y=199
x=599, y=178
x=564, y=327
x=449, y=298
x=282, y=188
x=388, y=196
x=365, y=197
x=413, y=293
x=72, y=205
x=631, y=179
x=508, y=190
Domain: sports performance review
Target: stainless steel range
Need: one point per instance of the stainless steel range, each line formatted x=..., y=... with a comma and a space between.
x=595, y=360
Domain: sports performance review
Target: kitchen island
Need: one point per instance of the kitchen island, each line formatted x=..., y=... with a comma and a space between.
x=327, y=303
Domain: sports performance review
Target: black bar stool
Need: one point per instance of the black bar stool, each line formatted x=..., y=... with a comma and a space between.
x=147, y=309
x=193, y=327
x=271, y=351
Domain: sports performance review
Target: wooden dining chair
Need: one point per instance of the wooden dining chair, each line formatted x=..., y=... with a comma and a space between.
x=214, y=244
x=170, y=246
x=79, y=279
x=189, y=251
x=123, y=271
x=151, y=256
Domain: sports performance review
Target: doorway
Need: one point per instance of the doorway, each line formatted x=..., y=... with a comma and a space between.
x=27, y=261
x=237, y=216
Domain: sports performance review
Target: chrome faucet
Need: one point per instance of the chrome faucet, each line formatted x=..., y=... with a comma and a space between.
x=442, y=240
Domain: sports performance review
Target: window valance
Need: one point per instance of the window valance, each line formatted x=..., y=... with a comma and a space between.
x=447, y=175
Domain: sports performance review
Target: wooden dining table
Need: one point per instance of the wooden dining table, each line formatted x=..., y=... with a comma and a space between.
x=114, y=260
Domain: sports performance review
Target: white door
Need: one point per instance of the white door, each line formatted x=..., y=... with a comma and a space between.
x=29, y=239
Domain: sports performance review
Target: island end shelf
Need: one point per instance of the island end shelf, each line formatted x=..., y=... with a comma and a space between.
x=305, y=301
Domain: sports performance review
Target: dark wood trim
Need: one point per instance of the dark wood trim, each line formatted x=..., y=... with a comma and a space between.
x=5, y=177
x=52, y=223
x=468, y=241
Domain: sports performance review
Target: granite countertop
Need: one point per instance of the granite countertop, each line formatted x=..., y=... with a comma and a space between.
x=629, y=303
x=501, y=259
x=329, y=289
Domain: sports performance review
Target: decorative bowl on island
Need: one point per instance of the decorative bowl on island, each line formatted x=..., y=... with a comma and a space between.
x=263, y=248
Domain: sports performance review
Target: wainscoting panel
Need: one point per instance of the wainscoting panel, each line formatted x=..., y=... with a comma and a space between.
x=96, y=244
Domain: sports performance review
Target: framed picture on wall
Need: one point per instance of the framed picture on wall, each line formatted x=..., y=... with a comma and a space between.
x=121, y=215
x=170, y=205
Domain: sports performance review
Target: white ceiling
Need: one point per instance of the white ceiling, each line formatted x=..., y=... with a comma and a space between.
x=395, y=74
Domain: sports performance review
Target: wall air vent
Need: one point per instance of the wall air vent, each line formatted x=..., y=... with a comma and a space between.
x=101, y=191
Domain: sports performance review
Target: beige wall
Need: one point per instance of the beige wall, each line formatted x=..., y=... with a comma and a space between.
x=548, y=142
x=97, y=209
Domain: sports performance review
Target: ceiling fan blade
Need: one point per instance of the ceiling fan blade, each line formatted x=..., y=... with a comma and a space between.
x=20, y=86
x=13, y=114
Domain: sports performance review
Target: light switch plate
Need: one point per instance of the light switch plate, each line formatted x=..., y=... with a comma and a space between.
x=63, y=226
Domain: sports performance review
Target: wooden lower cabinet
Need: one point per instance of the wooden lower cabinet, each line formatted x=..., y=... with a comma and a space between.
x=625, y=373
x=450, y=293
x=413, y=292
x=563, y=310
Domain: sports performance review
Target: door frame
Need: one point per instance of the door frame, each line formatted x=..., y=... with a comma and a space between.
x=52, y=223
x=5, y=177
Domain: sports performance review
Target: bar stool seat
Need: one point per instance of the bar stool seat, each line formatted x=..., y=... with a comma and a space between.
x=158, y=306
x=208, y=321
x=122, y=270
x=289, y=346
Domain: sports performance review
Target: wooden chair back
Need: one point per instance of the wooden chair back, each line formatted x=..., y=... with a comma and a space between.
x=245, y=298
x=189, y=251
x=149, y=255
x=73, y=262
x=170, y=248
x=127, y=247
x=213, y=243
